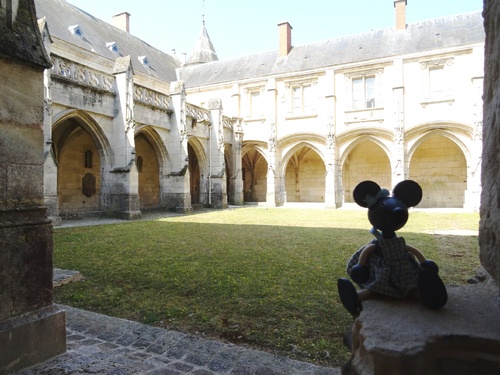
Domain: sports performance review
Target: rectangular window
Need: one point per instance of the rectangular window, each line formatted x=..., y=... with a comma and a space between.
x=256, y=108
x=436, y=83
x=301, y=100
x=363, y=93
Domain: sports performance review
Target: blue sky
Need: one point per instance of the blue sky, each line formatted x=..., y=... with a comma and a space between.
x=245, y=27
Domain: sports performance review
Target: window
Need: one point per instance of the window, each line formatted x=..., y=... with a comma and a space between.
x=436, y=83
x=363, y=93
x=76, y=31
x=301, y=100
x=113, y=47
x=256, y=106
x=88, y=159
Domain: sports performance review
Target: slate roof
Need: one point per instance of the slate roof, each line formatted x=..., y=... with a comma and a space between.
x=441, y=33
x=204, y=50
x=97, y=33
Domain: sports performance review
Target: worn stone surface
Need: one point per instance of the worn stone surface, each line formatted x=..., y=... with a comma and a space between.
x=490, y=197
x=31, y=328
x=403, y=337
x=105, y=345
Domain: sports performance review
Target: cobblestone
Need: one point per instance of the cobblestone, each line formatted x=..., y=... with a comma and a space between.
x=100, y=344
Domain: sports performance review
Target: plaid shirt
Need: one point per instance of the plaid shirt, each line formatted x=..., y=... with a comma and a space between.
x=393, y=270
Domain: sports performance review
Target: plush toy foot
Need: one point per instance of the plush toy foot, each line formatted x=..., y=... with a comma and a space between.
x=432, y=290
x=349, y=297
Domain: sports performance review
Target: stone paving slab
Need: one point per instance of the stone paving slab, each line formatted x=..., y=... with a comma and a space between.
x=100, y=344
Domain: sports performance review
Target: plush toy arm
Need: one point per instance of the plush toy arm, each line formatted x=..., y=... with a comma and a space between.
x=424, y=263
x=417, y=253
x=360, y=273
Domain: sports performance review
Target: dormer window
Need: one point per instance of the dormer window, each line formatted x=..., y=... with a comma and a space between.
x=76, y=31
x=113, y=47
x=144, y=61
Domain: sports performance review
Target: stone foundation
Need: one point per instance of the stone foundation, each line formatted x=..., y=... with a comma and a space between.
x=32, y=338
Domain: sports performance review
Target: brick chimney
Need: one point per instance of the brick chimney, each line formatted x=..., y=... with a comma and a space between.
x=400, y=6
x=285, y=35
x=122, y=21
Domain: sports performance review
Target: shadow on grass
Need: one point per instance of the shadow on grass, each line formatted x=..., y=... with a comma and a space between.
x=269, y=286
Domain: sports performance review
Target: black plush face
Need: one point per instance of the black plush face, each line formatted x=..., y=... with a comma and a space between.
x=388, y=214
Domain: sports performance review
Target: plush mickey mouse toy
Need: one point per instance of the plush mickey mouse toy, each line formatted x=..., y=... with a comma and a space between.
x=387, y=265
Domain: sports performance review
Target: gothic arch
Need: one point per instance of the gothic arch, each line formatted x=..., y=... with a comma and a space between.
x=432, y=132
x=304, y=170
x=88, y=123
x=254, y=166
x=158, y=146
x=82, y=152
x=366, y=158
x=437, y=161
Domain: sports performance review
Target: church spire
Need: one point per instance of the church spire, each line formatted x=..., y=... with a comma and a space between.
x=204, y=50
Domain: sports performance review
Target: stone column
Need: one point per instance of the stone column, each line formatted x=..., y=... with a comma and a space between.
x=217, y=171
x=398, y=162
x=121, y=184
x=473, y=192
x=50, y=165
x=489, y=228
x=236, y=172
x=178, y=195
x=275, y=191
x=333, y=193
x=331, y=177
x=32, y=328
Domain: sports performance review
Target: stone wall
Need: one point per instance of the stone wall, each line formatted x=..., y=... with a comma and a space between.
x=32, y=329
x=489, y=236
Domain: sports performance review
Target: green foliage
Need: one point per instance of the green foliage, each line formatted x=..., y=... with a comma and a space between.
x=261, y=277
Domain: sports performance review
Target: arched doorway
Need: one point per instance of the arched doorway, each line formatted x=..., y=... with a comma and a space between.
x=148, y=170
x=440, y=167
x=254, y=167
x=305, y=176
x=79, y=167
x=366, y=161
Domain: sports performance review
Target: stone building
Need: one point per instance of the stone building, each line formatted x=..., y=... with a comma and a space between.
x=129, y=128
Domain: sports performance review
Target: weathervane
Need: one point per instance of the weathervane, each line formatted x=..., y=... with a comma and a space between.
x=203, y=11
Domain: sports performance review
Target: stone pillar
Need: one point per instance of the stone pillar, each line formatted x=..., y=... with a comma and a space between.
x=32, y=329
x=473, y=192
x=489, y=228
x=333, y=193
x=217, y=171
x=275, y=191
x=236, y=172
x=331, y=183
x=50, y=165
x=121, y=186
x=178, y=195
x=398, y=162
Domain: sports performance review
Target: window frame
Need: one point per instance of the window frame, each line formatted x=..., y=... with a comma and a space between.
x=306, y=91
x=365, y=99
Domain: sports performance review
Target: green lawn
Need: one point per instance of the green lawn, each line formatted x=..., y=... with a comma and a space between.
x=253, y=276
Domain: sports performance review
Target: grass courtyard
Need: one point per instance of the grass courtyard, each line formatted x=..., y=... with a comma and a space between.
x=260, y=277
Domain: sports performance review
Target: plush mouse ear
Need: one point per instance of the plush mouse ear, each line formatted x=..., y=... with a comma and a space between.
x=362, y=190
x=409, y=192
